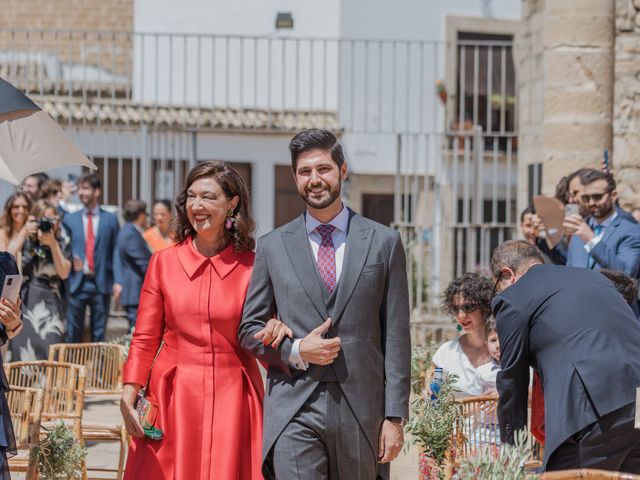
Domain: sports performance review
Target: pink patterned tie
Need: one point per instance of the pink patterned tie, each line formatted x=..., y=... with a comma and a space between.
x=327, y=257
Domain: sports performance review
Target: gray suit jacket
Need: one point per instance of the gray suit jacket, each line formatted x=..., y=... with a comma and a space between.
x=370, y=315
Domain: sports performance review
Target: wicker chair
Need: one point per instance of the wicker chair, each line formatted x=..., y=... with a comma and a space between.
x=25, y=408
x=588, y=473
x=63, y=385
x=104, y=363
x=477, y=428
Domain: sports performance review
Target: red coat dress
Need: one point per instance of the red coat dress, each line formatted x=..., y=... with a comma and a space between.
x=209, y=391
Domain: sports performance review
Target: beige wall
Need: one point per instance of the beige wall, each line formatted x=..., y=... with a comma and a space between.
x=579, y=90
x=626, y=105
x=22, y=21
x=568, y=64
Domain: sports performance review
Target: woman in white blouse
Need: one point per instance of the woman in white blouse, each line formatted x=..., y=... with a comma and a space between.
x=468, y=300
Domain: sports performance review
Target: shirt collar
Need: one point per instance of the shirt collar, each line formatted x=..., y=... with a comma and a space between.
x=607, y=222
x=193, y=261
x=95, y=211
x=340, y=221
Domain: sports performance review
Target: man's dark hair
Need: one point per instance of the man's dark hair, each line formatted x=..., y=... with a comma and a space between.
x=133, y=209
x=476, y=289
x=315, y=139
x=92, y=179
x=514, y=254
x=626, y=285
x=40, y=177
x=580, y=174
x=490, y=327
x=595, y=175
x=562, y=190
x=530, y=210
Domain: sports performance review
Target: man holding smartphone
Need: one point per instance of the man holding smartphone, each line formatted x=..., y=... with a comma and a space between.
x=605, y=239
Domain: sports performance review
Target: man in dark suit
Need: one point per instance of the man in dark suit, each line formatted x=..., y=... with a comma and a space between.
x=134, y=256
x=338, y=391
x=93, y=233
x=574, y=328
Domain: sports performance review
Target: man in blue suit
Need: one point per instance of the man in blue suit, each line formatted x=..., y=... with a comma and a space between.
x=606, y=239
x=134, y=256
x=91, y=281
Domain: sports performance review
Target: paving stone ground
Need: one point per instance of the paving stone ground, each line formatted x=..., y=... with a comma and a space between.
x=105, y=409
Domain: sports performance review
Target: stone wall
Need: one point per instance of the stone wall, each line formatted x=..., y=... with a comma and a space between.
x=71, y=31
x=529, y=60
x=626, y=105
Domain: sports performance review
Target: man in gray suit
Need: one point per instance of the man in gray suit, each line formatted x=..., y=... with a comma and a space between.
x=337, y=391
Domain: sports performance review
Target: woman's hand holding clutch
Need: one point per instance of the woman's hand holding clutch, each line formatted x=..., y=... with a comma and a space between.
x=129, y=413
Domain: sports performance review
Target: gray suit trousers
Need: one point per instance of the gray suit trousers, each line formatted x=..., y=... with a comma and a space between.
x=324, y=441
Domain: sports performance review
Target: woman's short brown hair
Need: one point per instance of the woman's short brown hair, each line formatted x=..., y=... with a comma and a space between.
x=232, y=184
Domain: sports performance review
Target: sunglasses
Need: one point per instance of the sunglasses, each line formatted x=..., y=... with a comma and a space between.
x=495, y=285
x=465, y=307
x=596, y=197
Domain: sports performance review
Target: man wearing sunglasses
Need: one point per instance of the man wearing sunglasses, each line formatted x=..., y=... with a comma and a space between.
x=605, y=239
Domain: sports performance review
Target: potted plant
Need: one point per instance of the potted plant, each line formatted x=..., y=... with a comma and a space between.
x=431, y=427
x=506, y=464
x=59, y=455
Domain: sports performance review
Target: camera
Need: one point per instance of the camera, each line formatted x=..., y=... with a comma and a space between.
x=45, y=225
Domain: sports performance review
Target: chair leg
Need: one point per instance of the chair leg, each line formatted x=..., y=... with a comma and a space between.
x=124, y=443
x=32, y=469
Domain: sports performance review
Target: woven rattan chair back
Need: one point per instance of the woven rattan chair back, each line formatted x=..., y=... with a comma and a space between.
x=478, y=426
x=588, y=473
x=25, y=408
x=103, y=363
x=63, y=385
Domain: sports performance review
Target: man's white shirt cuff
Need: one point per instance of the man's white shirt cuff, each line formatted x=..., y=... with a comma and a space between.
x=295, y=360
x=592, y=244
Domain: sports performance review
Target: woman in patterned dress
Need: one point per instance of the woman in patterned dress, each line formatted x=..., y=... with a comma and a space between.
x=46, y=262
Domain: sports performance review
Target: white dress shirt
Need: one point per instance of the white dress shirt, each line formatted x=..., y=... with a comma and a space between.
x=339, y=237
x=95, y=222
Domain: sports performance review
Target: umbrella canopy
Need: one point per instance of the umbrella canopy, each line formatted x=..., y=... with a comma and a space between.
x=30, y=140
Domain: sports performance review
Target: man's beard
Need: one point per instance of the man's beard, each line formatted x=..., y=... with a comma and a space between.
x=320, y=204
x=604, y=212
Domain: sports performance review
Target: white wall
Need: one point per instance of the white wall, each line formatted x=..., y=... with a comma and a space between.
x=409, y=101
x=207, y=63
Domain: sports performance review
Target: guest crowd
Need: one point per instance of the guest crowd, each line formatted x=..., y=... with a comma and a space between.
x=74, y=256
x=322, y=303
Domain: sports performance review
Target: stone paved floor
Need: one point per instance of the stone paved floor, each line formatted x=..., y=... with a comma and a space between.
x=105, y=455
x=104, y=409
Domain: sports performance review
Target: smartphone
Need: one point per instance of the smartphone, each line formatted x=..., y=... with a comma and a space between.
x=11, y=287
x=571, y=209
x=605, y=161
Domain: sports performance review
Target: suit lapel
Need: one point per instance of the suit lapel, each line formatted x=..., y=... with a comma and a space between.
x=296, y=242
x=610, y=229
x=101, y=226
x=359, y=239
x=79, y=227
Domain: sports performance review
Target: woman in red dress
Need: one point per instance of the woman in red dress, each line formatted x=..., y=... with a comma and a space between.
x=209, y=392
